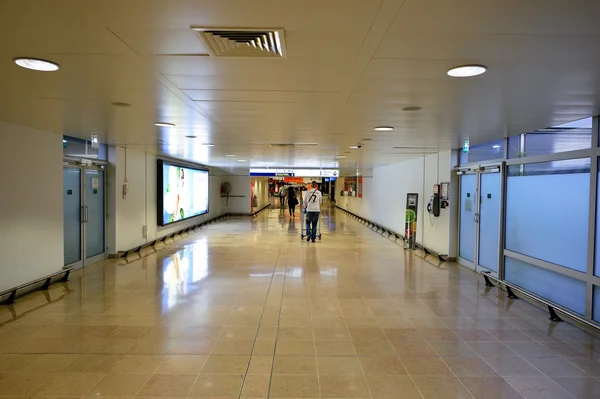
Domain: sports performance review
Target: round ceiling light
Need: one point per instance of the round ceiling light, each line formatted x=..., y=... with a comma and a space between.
x=36, y=64
x=467, y=71
x=413, y=108
x=164, y=124
x=191, y=137
x=384, y=128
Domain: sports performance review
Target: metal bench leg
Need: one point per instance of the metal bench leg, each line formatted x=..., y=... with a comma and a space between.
x=488, y=283
x=511, y=294
x=11, y=298
x=553, y=315
x=46, y=284
x=65, y=277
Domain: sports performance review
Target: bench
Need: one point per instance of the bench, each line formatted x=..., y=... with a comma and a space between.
x=12, y=293
x=488, y=277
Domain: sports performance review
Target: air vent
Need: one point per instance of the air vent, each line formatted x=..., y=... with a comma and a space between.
x=263, y=43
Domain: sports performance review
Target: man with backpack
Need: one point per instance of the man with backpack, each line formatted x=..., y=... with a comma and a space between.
x=313, y=199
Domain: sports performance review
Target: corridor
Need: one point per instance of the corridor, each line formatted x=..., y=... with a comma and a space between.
x=245, y=309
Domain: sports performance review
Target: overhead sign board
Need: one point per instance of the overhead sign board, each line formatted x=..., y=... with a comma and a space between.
x=295, y=172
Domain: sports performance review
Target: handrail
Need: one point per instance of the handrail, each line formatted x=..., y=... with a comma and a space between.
x=552, y=307
x=47, y=280
x=442, y=258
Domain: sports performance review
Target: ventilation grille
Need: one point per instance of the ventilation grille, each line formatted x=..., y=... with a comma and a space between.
x=263, y=43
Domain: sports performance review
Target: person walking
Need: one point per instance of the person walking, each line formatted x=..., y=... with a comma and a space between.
x=313, y=199
x=292, y=200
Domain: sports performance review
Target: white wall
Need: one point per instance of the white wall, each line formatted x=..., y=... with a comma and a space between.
x=31, y=204
x=127, y=217
x=384, y=199
x=261, y=191
x=239, y=198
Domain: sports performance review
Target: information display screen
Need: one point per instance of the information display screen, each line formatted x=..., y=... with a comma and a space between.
x=182, y=192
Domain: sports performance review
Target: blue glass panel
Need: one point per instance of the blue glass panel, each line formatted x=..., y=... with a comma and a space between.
x=94, y=196
x=570, y=136
x=72, y=215
x=489, y=220
x=483, y=152
x=597, y=253
x=547, y=216
x=596, y=305
x=559, y=289
x=468, y=205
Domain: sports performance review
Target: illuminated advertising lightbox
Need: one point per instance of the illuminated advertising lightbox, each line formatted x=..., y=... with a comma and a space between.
x=182, y=192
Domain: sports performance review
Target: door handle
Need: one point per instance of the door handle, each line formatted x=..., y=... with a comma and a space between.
x=476, y=218
x=86, y=213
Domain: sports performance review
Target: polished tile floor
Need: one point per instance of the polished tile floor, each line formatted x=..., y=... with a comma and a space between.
x=244, y=309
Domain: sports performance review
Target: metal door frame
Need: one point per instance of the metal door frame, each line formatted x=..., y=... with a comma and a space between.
x=84, y=212
x=478, y=172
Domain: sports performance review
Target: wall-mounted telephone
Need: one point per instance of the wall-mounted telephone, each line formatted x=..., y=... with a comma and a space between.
x=434, y=203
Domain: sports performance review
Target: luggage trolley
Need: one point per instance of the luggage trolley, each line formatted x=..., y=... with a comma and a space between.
x=303, y=232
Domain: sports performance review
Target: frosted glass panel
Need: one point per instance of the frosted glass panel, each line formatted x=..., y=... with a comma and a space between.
x=489, y=220
x=468, y=207
x=483, y=152
x=94, y=197
x=72, y=214
x=547, y=217
x=559, y=289
x=596, y=308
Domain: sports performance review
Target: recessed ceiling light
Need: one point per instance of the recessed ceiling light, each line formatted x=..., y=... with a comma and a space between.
x=165, y=124
x=341, y=157
x=367, y=139
x=120, y=104
x=191, y=137
x=354, y=147
x=36, y=64
x=384, y=128
x=241, y=160
x=412, y=108
x=230, y=155
x=208, y=145
x=496, y=146
x=467, y=71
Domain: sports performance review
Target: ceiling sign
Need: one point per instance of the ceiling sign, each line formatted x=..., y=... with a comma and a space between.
x=295, y=172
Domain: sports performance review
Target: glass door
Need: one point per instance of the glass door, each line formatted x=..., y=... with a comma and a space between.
x=83, y=215
x=479, y=227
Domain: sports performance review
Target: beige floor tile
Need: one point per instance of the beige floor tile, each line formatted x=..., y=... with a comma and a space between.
x=238, y=333
x=538, y=388
x=137, y=364
x=335, y=348
x=426, y=366
x=403, y=334
x=130, y=332
x=556, y=367
x=382, y=365
x=24, y=384
x=94, y=364
x=256, y=387
x=294, y=386
x=226, y=364
x=441, y=387
x=331, y=334
x=339, y=365
x=295, y=365
x=168, y=385
x=344, y=386
x=10, y=363
x=69, y=385
x=490, y=388
x=367, y=334
x=384, y=387
x=181, y=364
x=264, y=347
x=470, y=367
x=453, y=349
x=222, y=386
x=512, y=367
x=585, y=388
x=119, y=385
x=260, y=364
x=232, y=347
x=51, y=363
x=413, y=349
x=374, y=348
x=492, y=349
x=295, y=333
x=295, y=348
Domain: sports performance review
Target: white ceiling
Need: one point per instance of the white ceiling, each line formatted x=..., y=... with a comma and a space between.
x=351, y=65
